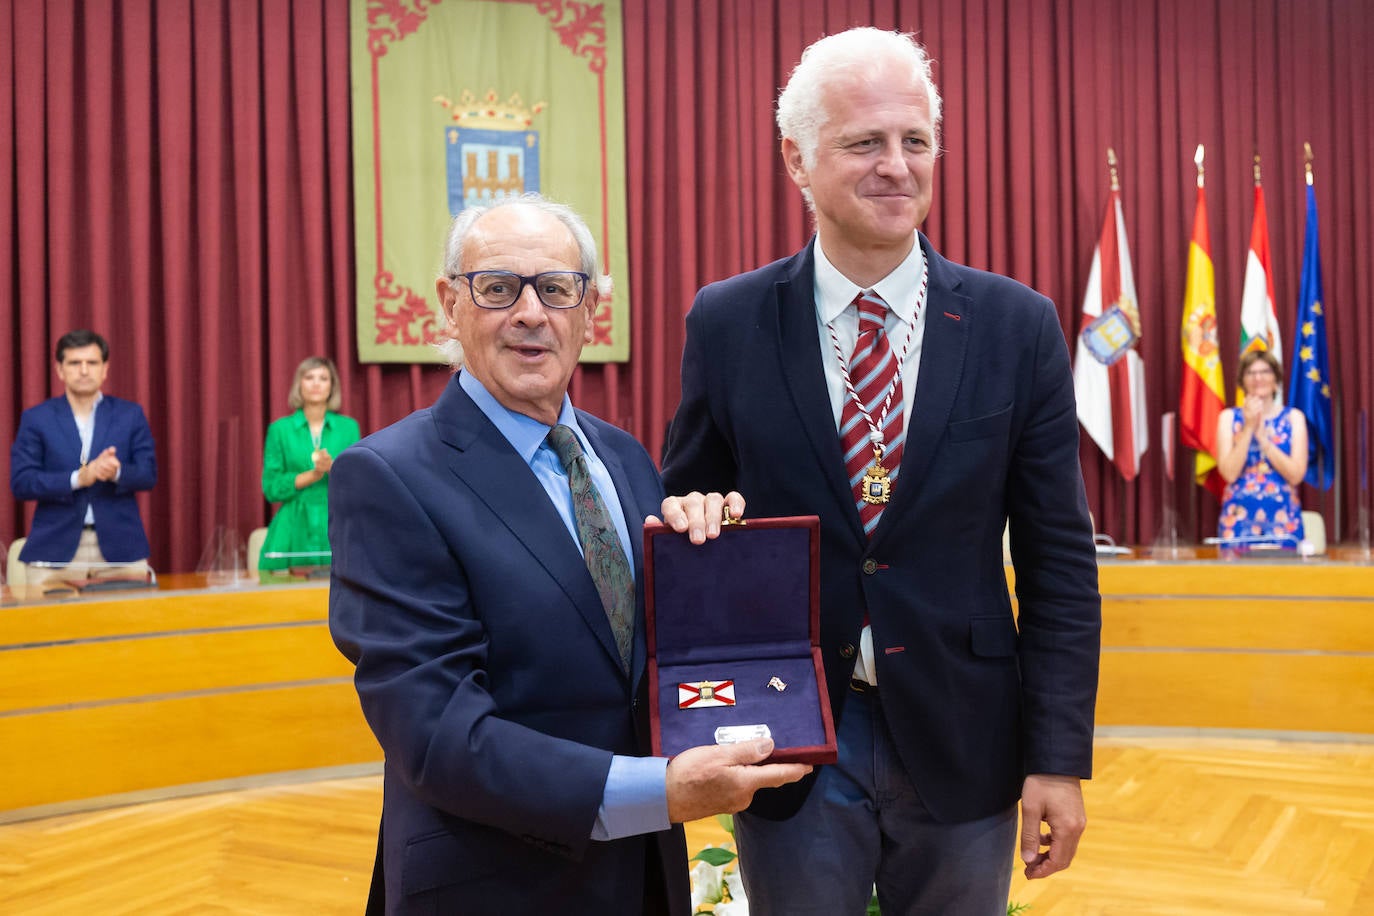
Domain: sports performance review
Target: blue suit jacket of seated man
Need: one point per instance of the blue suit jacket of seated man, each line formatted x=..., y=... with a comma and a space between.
x=46, y=451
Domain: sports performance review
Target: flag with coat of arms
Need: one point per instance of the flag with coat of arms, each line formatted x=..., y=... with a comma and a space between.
x=1202, y=396
x=1259, y=322
x=1108, y=373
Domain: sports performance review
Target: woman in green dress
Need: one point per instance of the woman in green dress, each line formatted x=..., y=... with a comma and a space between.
x=297, y=456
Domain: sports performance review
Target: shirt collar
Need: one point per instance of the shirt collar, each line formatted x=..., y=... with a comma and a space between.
x=90, y=417
x=525, y=434
x=300, y=421
x=898, y=289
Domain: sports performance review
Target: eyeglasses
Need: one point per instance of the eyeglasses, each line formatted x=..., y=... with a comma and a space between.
x=1252, y=373
x=498, y=289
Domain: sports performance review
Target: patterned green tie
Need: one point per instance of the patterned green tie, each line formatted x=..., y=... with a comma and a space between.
x=600, y=544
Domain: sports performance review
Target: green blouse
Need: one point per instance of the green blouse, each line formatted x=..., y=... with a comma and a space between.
x=301, y=525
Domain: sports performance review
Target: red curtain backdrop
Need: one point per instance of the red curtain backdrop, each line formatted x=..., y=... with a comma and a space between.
x=177, y=177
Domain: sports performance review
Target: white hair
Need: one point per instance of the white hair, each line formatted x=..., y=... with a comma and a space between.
x=461, y=229
x=854, y=54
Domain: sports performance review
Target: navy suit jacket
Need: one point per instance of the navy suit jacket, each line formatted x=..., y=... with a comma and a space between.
x=487, y=669
x=973, y=700
x=46, y=451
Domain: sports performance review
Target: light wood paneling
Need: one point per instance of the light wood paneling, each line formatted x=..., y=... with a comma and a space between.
x=1285, y=647
x=164, y=689
x=152, y=691
x=1222, y=578
x=1282, y=624
x=1288, y=692
x=1293, y=579
x=105, y=750
x=159, y=612
x=1175, y=828
x=111, y=669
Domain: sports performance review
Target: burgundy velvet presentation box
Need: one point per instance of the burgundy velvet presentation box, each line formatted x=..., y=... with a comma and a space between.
x=743, y=608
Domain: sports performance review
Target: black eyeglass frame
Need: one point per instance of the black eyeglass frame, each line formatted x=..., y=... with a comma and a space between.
x=532, y=281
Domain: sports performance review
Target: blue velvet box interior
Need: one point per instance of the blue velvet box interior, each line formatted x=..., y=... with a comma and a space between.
x=744, y=608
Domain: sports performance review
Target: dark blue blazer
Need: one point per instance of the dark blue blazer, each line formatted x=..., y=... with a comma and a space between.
x=46, y=451
x=488, y=671
x=974, y=702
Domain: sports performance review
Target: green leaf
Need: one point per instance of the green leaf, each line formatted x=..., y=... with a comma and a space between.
x=1013, y=908
x=714, y=855
x=727, y=822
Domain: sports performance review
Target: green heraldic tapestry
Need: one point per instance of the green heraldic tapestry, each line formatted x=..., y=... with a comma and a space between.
x=459, y=103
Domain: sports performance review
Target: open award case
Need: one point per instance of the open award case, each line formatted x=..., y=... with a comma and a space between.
x=733, y=628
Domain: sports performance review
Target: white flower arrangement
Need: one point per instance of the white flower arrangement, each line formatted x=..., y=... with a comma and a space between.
x=717, y=887
x=716, y=884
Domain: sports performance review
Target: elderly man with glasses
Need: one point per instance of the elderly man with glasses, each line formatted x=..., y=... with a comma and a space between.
x=485, y=552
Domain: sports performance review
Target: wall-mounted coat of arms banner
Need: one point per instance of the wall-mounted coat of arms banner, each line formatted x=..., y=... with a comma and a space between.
x=459, y=103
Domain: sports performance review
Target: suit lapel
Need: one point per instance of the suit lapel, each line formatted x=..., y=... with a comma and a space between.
x=943, y=351
x=805, y=376
x=65, y=428
x=480, y=456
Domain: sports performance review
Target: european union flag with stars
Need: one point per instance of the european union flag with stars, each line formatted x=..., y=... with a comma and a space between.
x=1309, y=388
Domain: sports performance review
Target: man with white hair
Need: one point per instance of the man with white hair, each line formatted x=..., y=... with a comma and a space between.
x=917, y=406
x=483, y=583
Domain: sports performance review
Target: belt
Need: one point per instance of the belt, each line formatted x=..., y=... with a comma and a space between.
x=88, y=527
x=864, y=687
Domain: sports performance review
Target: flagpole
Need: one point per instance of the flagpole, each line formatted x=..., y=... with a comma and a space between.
x=1194, y=521
x=1321, y=453
x=1362, y=511
x=1108, y=372
x=1194, y=510
x=1335, y=411
x=1120, y=480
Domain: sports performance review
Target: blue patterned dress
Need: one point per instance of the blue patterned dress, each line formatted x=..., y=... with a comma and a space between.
x=1259, y=507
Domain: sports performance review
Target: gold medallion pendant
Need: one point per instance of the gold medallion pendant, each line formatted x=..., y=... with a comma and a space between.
x=877, y=485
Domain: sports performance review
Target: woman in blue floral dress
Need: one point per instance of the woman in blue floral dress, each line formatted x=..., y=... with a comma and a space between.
x=1263, y=456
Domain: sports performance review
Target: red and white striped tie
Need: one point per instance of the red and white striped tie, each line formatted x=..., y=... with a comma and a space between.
x=873, y=373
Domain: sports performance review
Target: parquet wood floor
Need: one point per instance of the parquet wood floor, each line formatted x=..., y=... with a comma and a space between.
x=1177, y=827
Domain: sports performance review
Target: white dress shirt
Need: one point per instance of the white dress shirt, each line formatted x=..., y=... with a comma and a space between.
x=905, y=326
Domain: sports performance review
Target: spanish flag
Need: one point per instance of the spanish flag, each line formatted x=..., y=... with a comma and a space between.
x=1203, y=391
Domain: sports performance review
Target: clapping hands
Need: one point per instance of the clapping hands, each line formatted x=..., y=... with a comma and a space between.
x=104, y=466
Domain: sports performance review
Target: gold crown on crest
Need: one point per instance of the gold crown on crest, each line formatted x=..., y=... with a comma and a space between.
x=489, y=112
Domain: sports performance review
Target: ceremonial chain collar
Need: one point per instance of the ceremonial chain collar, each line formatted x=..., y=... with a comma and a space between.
x=875, y=430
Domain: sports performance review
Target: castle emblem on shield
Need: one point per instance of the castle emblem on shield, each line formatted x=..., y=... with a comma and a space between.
x=492, y=149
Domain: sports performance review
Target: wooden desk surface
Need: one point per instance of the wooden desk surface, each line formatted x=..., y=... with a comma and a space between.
x=58, y=593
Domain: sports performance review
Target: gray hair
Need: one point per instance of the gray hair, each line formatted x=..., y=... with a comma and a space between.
x=461, y=229
x=801, y=104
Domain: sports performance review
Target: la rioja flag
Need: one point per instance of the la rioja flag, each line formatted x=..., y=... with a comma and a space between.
x=1259, y=322
x=1108, y=373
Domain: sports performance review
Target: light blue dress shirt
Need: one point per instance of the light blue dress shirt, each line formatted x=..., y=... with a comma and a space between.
x=85, y=427
x=635, y=799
